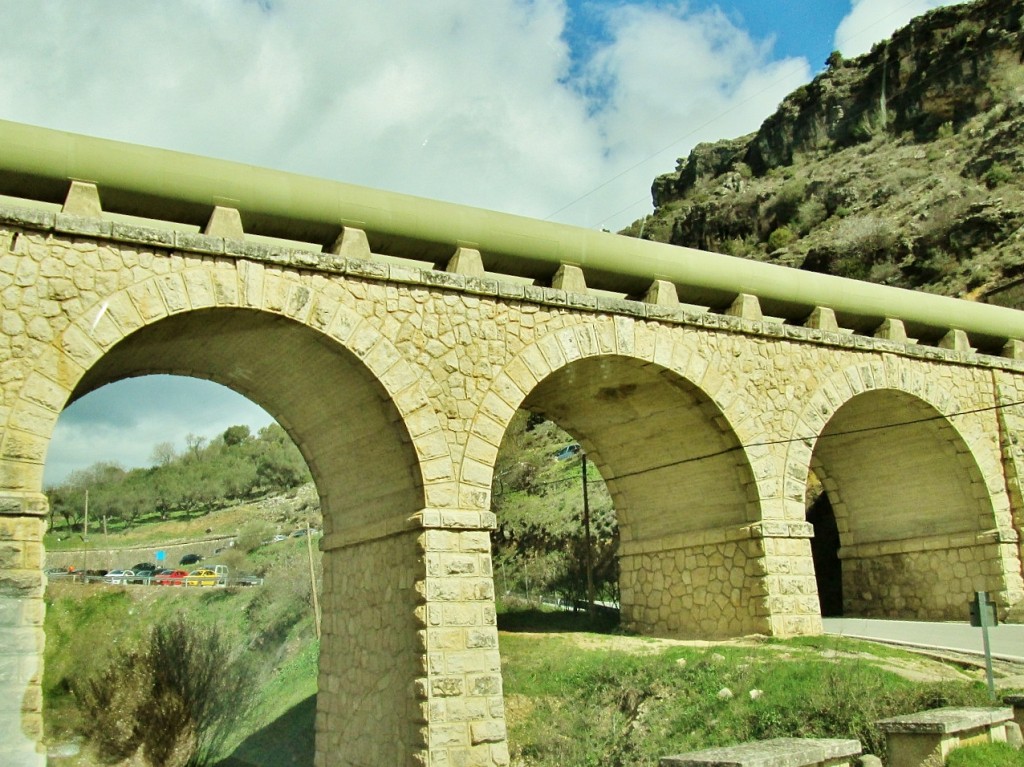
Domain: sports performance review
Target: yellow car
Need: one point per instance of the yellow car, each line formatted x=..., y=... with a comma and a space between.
x=202, y=577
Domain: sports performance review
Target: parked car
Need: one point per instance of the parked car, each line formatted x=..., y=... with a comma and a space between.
x=204, y=576
x=190, y=559
x=119, y=576
x=170, y=577
x=279, y=537
x=567, y=452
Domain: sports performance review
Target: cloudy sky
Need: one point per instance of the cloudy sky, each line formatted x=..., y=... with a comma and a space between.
x=555, y=109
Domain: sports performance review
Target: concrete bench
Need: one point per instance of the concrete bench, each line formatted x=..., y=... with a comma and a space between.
x=778, y=752
x=1017, y=703
x=913, y=739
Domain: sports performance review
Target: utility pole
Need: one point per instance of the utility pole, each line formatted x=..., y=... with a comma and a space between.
x=312, y=581
x=586, y=533
x=85, y=528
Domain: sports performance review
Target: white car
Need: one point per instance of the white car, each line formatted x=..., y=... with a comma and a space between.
x=119, y=576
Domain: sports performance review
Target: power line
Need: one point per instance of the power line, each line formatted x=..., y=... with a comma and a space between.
x=790, y=440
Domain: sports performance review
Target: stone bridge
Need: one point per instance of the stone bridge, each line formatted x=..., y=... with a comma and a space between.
x=395, y=338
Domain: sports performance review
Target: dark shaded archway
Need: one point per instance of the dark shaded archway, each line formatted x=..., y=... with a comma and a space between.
x=828, y=569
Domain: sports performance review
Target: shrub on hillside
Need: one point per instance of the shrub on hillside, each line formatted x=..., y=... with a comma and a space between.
x=173, y=698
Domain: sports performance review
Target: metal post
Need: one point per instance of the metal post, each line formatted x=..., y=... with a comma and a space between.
x=312, y=581
x=591, y=608
x=985, y=621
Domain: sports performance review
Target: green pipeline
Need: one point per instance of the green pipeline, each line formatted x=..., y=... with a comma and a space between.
x=37, y=163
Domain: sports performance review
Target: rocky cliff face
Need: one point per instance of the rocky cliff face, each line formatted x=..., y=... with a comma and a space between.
x=904, y=166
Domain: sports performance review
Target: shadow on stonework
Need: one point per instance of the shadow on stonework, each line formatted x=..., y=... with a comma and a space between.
x=285, y=742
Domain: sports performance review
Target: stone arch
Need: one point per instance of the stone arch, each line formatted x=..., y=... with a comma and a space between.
x=919, y=500
x=336, y=384
x=158, y=312
x=684, y=486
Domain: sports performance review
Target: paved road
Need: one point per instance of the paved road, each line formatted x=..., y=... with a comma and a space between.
x=1007, y=641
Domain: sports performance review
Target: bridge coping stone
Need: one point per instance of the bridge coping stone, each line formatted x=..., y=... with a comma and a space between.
x=362, y=267
x=777, y=752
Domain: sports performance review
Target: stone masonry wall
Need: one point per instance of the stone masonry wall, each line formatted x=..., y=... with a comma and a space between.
x=410, y=648
x=21, y=637
x=700, y=591
x=935, y=583
x=370, y=657
x=462, y=692
x=733, y=582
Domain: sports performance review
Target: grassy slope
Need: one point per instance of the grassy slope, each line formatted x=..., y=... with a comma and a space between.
x=573, y=698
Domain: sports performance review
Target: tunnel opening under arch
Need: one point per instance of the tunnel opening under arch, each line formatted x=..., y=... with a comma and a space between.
x=828, y=567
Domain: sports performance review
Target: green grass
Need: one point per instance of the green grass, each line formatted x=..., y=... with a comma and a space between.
x=577, y=694
x=986, y=755
x=574, y=706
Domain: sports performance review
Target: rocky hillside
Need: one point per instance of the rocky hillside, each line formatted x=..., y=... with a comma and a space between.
x=904, y=166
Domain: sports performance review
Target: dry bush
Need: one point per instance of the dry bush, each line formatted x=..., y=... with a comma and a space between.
x=174, y=698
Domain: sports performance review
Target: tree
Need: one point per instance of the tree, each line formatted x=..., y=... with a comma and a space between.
x=194, y=443
x=164, y=454
x=236, y=435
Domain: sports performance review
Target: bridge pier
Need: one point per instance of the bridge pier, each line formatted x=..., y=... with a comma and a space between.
x=22, y=523
x=751, y=579
x=409, y=666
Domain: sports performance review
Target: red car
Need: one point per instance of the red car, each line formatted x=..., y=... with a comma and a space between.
x=170, y=578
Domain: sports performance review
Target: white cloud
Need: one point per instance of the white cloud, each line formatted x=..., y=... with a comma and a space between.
x=870, y=21
x=471, y=103
x=477, y=103
x=122, y=422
